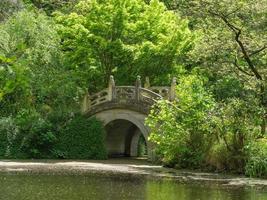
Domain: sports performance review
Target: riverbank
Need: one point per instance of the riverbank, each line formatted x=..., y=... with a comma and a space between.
x=138, y=167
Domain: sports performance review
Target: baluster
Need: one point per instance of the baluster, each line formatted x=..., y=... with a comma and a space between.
x=137, y=88
x=147, y=83
x=173, y=89
x=111, y=89
x=86, y=103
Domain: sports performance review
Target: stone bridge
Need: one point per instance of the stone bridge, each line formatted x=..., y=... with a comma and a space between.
x=123, y=110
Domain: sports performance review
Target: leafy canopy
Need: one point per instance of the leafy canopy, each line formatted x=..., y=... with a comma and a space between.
x=124, y=38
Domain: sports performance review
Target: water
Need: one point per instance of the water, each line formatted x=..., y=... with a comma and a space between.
x=114, y=187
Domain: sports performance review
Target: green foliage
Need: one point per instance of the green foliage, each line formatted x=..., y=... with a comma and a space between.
x=218, y=158
x=30, y=38
x=8, y=133
x=142, y=146
x=181, y=129
x=194, y=132
x=37, y=137
x=14, y=85
x=234, y=123
x=8, y=7
x=33, y=84
x=232, y=44
x=31, y=136
x=256, y=165
x=82, y=138
x=31, y=74
x=124, y=38
x=53, y=51
x=217, y=48
x=27, y=47
x=49, y=6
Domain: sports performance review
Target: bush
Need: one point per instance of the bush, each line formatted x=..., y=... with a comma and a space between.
x=30, y=135
x=256, y=165
x=8, y=132
x=220, y=158
x=37, y=136
x=235, y=123
x=40, y=140
x=181, y=130
x=82, y=138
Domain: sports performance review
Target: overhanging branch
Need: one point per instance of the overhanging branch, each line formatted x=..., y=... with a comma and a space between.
x=237, y=31
x=240, y=69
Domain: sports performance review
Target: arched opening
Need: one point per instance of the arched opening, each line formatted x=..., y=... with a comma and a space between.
x=124, y=138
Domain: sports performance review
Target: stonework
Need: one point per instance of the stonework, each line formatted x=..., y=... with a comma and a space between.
x=121, y=108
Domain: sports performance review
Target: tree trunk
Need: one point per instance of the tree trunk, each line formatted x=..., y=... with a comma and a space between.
x=263, y=104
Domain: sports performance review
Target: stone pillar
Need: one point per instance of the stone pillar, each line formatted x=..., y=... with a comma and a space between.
x=173, y=89
x=137, y=88
x=111, y=89
x=147, y=83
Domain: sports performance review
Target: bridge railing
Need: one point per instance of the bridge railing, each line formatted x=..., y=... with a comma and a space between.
x=125, y=93
x=130, y=95
x=99, y=98
x=163, y=91
x=149, y=96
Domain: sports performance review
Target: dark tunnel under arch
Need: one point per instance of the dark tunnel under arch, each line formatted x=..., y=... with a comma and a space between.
x=122, y=138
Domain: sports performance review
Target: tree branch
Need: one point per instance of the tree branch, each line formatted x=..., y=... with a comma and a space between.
x=247, y=57
x=238, y=32
x=240, y=69
x=258, y=51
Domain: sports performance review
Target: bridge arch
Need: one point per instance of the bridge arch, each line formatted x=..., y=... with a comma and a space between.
x=126, y=106
x=124, y=128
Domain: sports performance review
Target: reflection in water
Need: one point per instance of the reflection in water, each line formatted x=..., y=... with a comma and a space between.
x=162, y=190
x=102, y=187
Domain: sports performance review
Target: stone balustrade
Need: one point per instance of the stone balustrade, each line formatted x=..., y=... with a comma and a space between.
x=135, y=98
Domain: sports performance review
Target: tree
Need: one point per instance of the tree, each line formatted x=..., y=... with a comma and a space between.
x=124, y=38
x=244, y=21
x=233, y=41
x=30, y=50
x=8, y=7
x=37, y=93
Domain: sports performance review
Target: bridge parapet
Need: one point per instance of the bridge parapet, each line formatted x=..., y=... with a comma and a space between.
x=99, y=98
x=127, y=97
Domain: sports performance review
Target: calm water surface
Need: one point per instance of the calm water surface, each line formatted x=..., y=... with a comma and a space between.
x=115, y=187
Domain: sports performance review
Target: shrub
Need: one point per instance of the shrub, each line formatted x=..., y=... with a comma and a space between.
x=82, y=138
x=181, y=130
x=235, y=125
x=8, y=132
x=37, y=136
x=39, y=142
x=220, y=158
x=256, y=165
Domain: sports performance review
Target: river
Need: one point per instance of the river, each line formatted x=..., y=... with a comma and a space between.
x=82, y=180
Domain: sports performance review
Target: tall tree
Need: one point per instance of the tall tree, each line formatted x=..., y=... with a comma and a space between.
x=233, y=41
x=124, y=38
x=7, y=7
x=31, y=74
